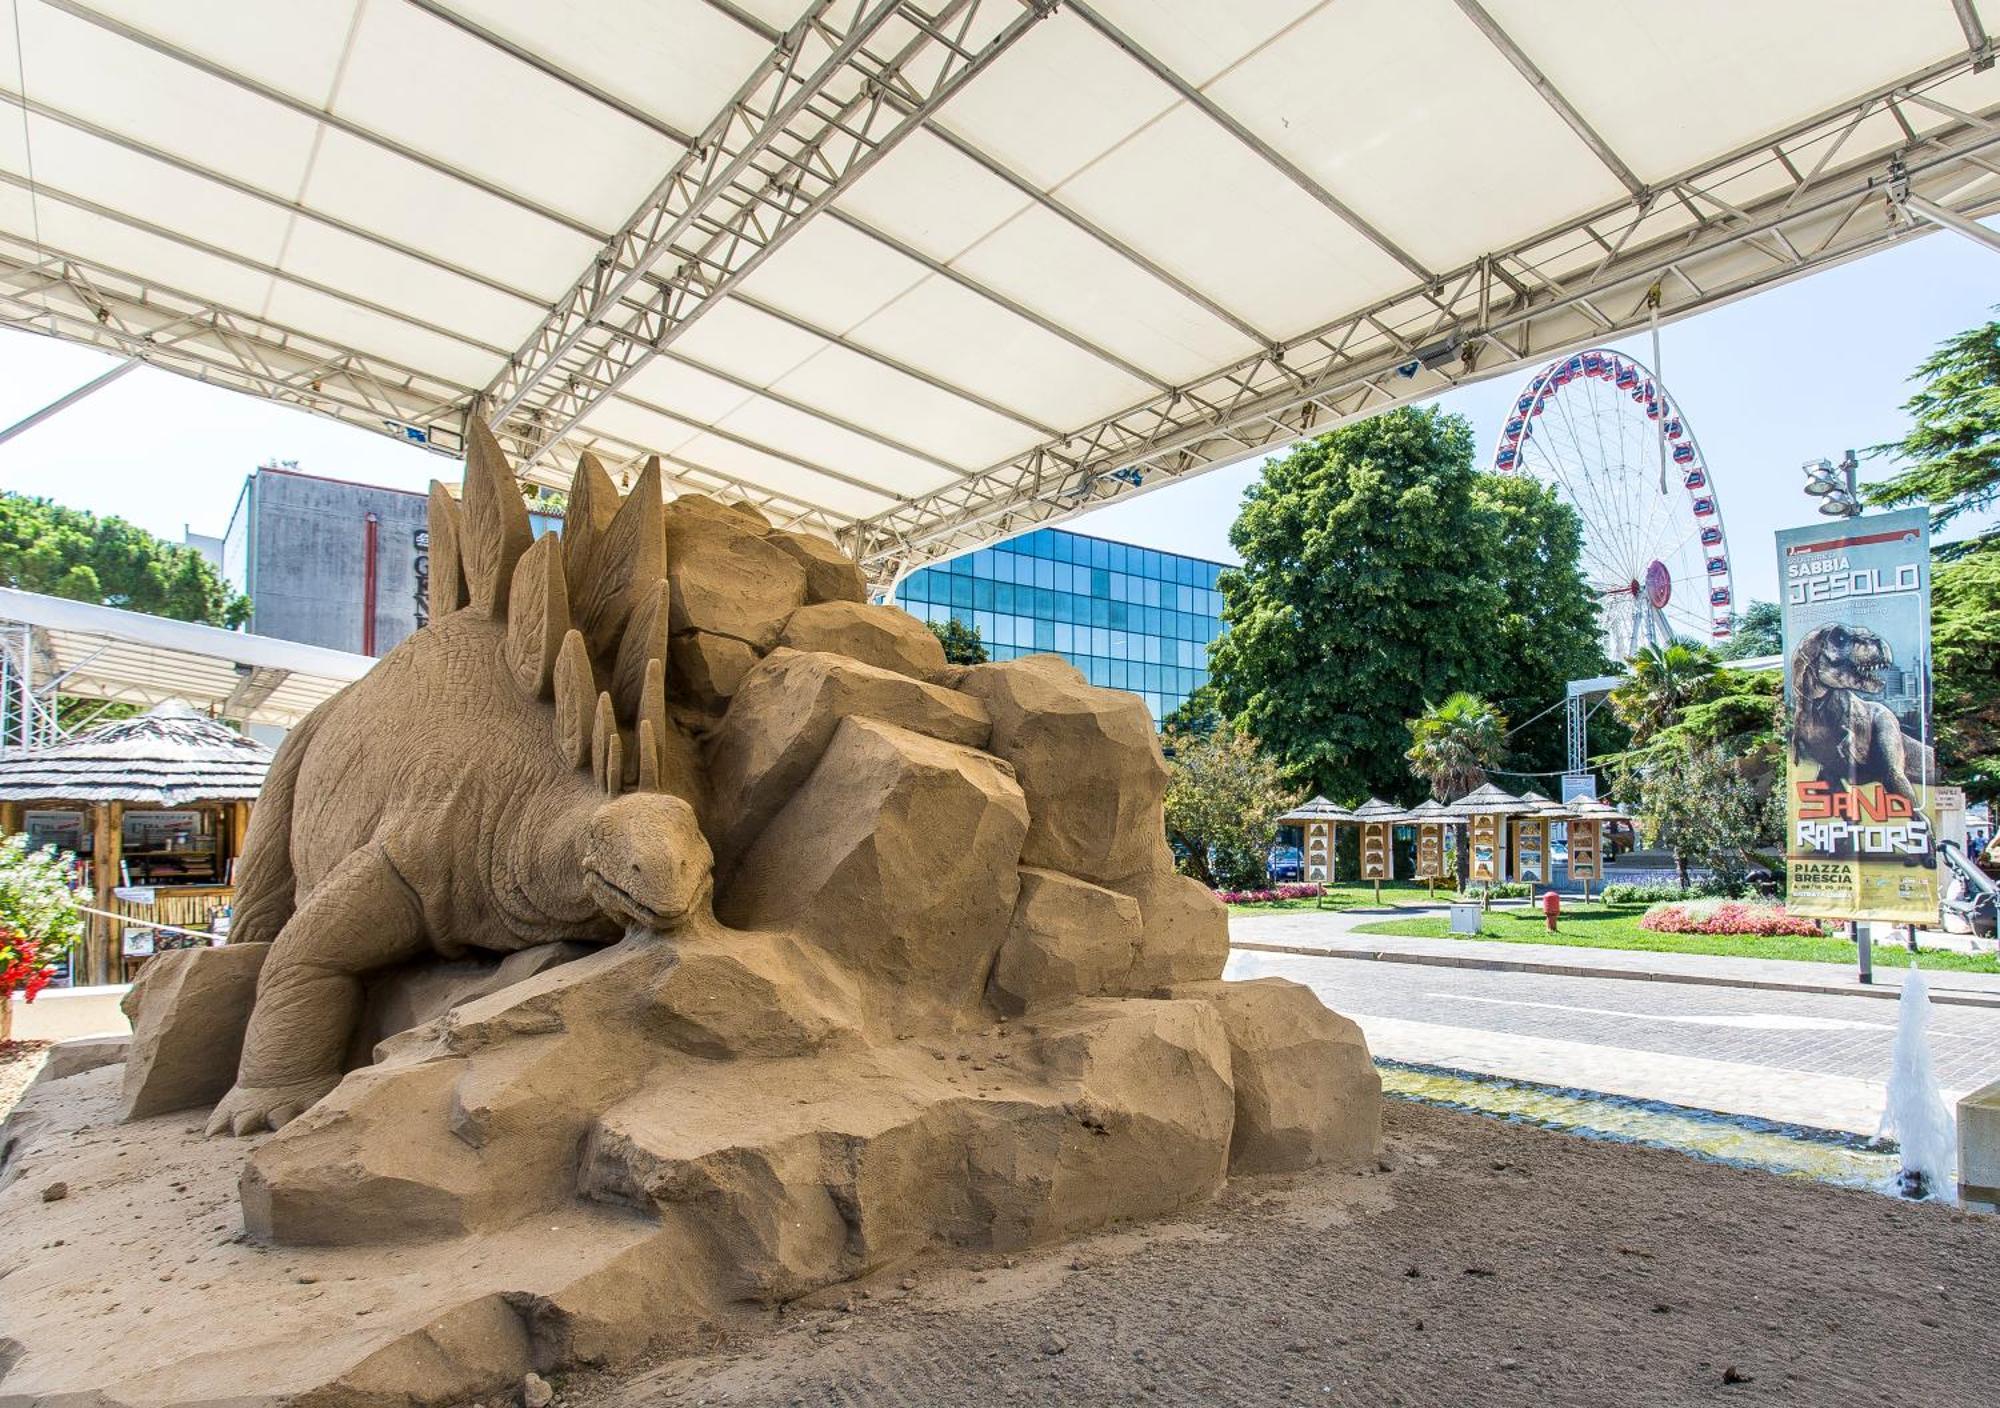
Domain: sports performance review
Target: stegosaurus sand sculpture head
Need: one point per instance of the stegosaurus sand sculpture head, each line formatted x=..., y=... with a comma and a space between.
x=585, y=619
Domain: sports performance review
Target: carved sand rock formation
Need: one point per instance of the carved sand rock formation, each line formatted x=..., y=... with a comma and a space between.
x=662, y=930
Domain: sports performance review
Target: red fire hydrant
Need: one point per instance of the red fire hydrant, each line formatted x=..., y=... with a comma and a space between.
x=1552, y=906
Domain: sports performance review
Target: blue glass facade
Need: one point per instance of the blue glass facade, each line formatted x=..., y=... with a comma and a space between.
x=1128, y=617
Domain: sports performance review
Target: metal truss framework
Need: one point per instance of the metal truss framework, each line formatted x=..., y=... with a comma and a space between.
x=28, y=700
x=1817, y=204
x=50, y=292
x=851, y=79
x=821, y=109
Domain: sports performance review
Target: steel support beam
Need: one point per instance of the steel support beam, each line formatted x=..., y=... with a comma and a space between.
x=1976, y=40
x=68, y=399
x=812, y=119
x=1919, y=208
x=1508, y=309
x=1552, y=95
x=1228, y=122
x=53, y=293
x=272, y=198
x=134, y=35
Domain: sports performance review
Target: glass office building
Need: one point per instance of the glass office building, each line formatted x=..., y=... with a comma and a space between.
x=1128, y=617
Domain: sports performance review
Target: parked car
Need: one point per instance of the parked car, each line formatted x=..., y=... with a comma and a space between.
x=1285, y=863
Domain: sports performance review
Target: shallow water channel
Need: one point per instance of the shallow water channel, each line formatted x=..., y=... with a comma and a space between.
x=1792, y=1151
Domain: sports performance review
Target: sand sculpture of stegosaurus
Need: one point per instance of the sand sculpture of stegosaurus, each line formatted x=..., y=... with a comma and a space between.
x=506, y=777
x=901, y=961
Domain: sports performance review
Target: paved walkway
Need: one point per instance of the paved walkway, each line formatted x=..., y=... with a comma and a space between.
x=1747, y=1036
x=1332, y=932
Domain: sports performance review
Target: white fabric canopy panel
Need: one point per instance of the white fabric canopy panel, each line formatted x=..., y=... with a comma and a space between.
x=922, y=273
x=99, y=652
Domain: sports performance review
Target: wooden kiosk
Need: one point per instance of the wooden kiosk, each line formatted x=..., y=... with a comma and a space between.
x=1486, y=811
x=1318, y=820
x=156, y=808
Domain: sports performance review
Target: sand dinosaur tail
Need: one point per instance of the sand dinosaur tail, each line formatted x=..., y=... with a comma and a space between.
x=265, y=882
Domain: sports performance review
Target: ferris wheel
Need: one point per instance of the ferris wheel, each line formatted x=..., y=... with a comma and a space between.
x=1599, y=426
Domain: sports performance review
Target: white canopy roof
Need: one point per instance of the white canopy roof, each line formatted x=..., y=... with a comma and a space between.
x=100, y=652
x=921, y=273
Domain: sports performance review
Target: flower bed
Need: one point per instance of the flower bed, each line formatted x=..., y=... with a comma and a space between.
x=1276, y=892
x=1727, y=917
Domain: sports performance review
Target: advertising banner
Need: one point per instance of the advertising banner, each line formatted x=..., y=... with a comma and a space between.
x=1485, y=849
x=1375, y=851
x=1585, y=859
x=1528, y=854
x=1319, y=851
x=1860, y=810
x=1430, y=851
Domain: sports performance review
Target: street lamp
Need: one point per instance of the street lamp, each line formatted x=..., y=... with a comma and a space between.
x=1835, y=484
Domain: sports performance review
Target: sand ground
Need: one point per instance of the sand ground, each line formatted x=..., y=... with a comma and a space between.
x=1486, y=1264
x=1491, y=1264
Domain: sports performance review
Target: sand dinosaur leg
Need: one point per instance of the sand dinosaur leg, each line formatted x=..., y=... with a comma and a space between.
x=362, y=917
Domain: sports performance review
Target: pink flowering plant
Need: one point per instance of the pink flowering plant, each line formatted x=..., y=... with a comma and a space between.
x=1268, y=896
x=1727, y=917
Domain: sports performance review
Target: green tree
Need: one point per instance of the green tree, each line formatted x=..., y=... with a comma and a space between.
x=1965, y=667
x=1662, y=680
x=1380, y=570
x=1455, y=744
x=1223, y=794
x=1196, y=714
x=1759, y=629
x=962, y=645
x=66, y=552
x=1698, y=804
x=1546, y=631
x=1950, y=459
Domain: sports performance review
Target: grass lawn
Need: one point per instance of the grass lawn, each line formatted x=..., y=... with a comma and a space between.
x=1350, y=896
x=1601, y=926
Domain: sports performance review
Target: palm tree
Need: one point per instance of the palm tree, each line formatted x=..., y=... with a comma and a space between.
x=1454, y=744
x=1663, y=681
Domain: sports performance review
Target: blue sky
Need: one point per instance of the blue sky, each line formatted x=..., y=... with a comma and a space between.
x=1796, y=372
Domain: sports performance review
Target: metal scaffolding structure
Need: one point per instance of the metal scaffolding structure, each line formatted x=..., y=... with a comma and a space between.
x=52, y=648
x=920, y=274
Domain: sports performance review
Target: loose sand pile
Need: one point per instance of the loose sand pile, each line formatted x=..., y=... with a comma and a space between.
x=1494, y=1264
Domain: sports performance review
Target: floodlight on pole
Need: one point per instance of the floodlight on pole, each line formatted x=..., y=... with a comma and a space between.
x=1835, y=484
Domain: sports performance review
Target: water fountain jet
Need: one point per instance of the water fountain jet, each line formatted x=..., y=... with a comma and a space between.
x=1914, y=1112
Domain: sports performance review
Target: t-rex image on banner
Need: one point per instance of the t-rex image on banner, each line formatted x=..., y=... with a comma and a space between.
x=1860, y=770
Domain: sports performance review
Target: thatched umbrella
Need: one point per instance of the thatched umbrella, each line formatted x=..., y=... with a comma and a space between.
x=1496, y=802
x=170, y=757
x=1432, y=812
x=1376, y=812
x=1320, y=812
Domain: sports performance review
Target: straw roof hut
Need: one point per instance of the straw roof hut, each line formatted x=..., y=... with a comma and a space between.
x=1318, y=809
x=1490, y=801
x=1431, y=809
x=1375, y=809
x=169, y=756
x=174, y=869
x=1547, y=808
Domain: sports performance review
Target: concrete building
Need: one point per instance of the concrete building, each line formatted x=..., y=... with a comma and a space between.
x=1128, y=617
x=329, y=562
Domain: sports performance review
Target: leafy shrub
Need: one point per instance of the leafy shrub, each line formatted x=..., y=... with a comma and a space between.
x=40, y=921
x=1657, y=892
x=1727, y=917
x=1508, y=890
x=1267, y=896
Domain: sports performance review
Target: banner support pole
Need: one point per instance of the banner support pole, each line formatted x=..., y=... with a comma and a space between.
x=1864, y=943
